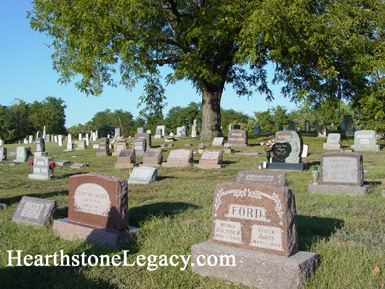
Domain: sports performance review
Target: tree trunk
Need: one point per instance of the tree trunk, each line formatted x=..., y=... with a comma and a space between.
x=211, y=110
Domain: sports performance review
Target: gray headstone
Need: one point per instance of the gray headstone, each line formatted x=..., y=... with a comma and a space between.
x=291, y=125
x=139, y=146
x=143, y=175
x=333, y=142
x=237, y=137
x=257, y=129
x=140, y=130
x=307, y=125
x=21, y=154
x=41, y=169
x=348, y=119
x=35, y=211
x=117, y=132
x=218, y=141
x=365, y=140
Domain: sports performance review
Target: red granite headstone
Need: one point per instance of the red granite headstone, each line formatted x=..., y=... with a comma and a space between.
x=153, y=157
x=211, y=159
x=179, y=158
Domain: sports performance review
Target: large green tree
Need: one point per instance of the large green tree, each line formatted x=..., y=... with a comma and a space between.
x=198, y=40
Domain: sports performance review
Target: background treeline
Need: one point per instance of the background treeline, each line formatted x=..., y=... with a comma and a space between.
x=21, y=119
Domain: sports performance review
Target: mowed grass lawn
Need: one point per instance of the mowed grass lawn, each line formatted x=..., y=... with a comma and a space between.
x=347, y=233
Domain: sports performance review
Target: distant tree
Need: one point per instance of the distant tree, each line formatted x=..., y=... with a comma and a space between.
x=182, y=116
x=20, y=119
x=230, y=116
x=265, y=120
x=8, y=131
x=106, y=121
x=76, y=129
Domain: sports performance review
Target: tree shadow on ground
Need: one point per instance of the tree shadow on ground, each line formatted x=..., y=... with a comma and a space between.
x=12, y=200
x=311, y=228
x=140, y=214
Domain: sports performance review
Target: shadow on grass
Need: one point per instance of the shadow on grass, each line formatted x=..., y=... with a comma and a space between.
x=67, y=175
x=311, y=228
x=164, y=178
x=11, y=201
x=161, y=209
x=317, y=163
x=48, y=277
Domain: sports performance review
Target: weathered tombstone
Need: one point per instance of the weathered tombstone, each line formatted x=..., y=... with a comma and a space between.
x=60, y=140
x=181, y=131
x=257, y=225
x=349, y=125
x=230, y=127
x=333, y=142
x=104, y=147
x=257, y=129
x=69, y=138
x=307, y=125
x=153, y=157
x=158, y=133
x=1, y=142
x=87, y=140
x=30, y=138
x=179, y=158
x=218, y=141
x=261, y=178
x=55, y=138
x=291, y=125
x=332, y=126
x=21, y=154
x=97, y=211
x=321, y=129
x=140, y=130
x=237, y=137
x=341, y=173
x=194, y=129
x=118, y=147
x=3, y=154
x=143, y=175
x=70, y=146
x=62, y=163
x=41, y=169
x=34, y=211
x=47, y=138
x=211, y=159
x=145, y=136
x=44, y=133
x=81, y=145
x=93, y=136
x=117, y=132
x=139, y=146
x=40, y=147
x=163, y=128
x=78, y=165
x=365, y=140
x=126, y=159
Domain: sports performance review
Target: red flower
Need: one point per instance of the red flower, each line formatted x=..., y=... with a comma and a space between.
x=51, y=164
x=30, y=163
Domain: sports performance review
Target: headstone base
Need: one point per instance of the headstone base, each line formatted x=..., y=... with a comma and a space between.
x=255, y=269
x=62, y=163
x=124, y=165
x=150, y=165
x=218, y=166
x=331, y=146
x=179, y=164
x=40, y=177
x=374, y=148
x=89, y=234
x=102, y=154
x=40, y=154
x=158, y=136
x=287, y=166
x=339, y=189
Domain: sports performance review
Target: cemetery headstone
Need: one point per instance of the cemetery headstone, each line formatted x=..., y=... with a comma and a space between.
x=62, y=163
x=237, y=137
x=332, y=126
x=289, y=151
x=78, y=165
x=230, y=127
x=181, y=131
x=55, y=138
x=262, y=178
x=291, y=125
x=3, y=154
x=87, y=140
x=1, y=142
x=153, y=157
x=21, y=154
x=81, y=145
x=145, y=136
x=104, y=147
x=140, y=130
x=341, y=173
x=40, y=147
x=143, y=175
x=365, y=140
x=348, y=119
x=163, y=128
x=158, y=133
x=194, y=129
x=148, y=131
x=305, y=151
x=47, y=138
x=321, y=129
x=126, y=159
x=117, y=132
x=44, y=133
x=60, y=140
x=118, y=147
x=34, y=211
x=97, y=211
x=179, y=158
x=30, y=138
x=307, y=125
x=211, y=159
x=333, y=142
x=41, y=169
x=257, y=225
x=257, y=129
x=139, y=146
x=218, y=141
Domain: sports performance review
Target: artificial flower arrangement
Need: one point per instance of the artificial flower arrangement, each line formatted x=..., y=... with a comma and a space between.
x=120, y=139
x=201, y=146
x=268, y=147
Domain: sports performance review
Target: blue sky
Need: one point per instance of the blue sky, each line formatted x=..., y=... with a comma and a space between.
x=26, y=73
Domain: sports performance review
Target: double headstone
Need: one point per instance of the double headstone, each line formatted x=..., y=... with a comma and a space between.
x=104, y=147
x=153, y=157
x=333, y=142
x=41, y=169
x=211, y=159
x=179, y=158
x=341, y=173
x=237, y=137
x=118, y=146
x=97, y=211
x=257, y=225
x=126, y=159
x=365, y=140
